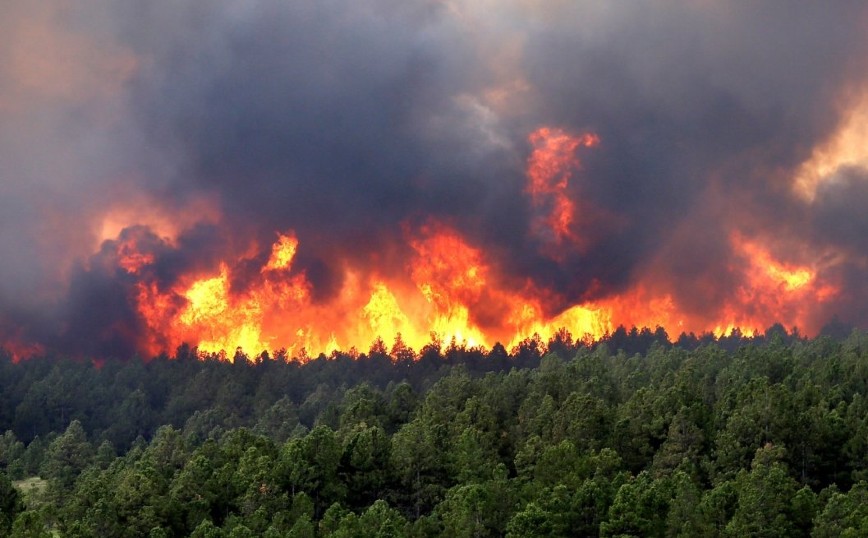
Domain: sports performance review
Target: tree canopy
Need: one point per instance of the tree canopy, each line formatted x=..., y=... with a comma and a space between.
x=632, y=436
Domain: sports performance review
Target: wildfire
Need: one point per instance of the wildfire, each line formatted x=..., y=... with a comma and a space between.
x=768, y=290
x=130, y=258
x=448, y=288
x=18, y=347
x=771, y=287
x=550, y=167
x=282, y=252
x=450, y=291
x=768, y=272
x=221, y=322
x=384, y=315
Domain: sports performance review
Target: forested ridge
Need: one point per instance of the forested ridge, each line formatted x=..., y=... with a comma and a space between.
x=630, y=436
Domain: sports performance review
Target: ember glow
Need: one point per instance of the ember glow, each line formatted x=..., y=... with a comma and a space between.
x=315, y=176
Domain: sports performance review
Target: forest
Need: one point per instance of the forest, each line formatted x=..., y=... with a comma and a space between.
x=763, y=435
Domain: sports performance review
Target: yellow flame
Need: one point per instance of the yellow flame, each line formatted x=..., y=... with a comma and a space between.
x=282, y=252
x=223, y=326
x=385, y=316
x=207, y=298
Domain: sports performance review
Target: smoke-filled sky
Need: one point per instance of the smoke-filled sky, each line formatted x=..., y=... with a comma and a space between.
x=199, y=129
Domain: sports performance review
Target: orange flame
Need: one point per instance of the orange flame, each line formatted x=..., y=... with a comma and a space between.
x=769, y=273
x=550, y=167
x=772, y=289
x=450, y=282
x=282, y=252
x=450, y=289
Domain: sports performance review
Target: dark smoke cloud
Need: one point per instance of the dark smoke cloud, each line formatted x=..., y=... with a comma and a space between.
x=839, y=222
x=317, y=117
x=348, y=121
x=687, y=98
x=839, y=214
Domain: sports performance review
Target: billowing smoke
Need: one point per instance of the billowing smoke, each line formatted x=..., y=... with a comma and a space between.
x=145, y=142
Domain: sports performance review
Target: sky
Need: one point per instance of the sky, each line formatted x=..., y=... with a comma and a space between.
x=724, y=133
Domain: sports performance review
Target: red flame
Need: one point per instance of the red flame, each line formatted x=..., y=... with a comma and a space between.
x=18, y=348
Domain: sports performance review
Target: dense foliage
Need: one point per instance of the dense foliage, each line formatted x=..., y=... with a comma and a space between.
x=764, y=436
